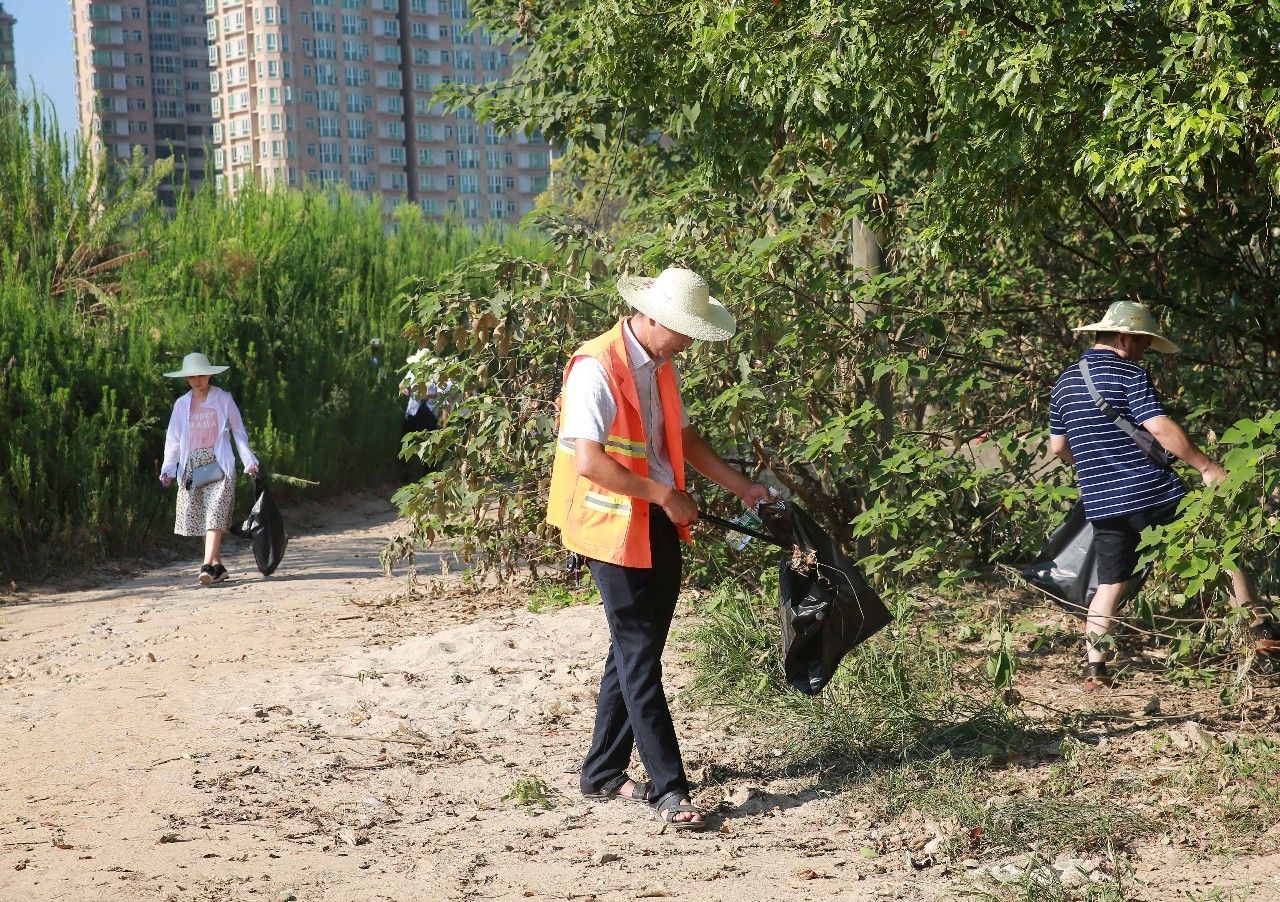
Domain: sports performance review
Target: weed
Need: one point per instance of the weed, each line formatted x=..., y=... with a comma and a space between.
x=1240, y=781
x=532, y=792
x=997, y=818
x=553, y=595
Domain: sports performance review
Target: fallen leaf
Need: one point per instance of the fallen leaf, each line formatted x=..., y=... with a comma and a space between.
x=807, y=874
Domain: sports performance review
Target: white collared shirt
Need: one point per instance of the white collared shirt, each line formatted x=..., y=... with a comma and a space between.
x=589, y=408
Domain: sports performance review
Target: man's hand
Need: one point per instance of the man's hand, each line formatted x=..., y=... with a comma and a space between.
x=754, y=494
x=1212, y=473
x=166, y=481
x=252, y=471
x=680, y=508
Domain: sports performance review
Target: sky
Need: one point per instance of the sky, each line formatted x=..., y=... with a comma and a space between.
x=42, y=46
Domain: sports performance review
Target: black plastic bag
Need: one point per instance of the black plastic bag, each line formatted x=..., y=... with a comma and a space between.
x=826, y=605
x=264, y=528
x=421, y=421
x=1066, y=569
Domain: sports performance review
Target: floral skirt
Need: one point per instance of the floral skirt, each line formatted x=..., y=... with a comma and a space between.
x=208, y=507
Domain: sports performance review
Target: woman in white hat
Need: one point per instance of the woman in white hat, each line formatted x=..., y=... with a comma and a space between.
x=198, y=445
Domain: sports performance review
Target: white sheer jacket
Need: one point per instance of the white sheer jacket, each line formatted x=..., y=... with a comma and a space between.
x=177, y=443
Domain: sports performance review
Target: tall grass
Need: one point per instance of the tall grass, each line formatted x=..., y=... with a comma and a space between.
x=100, y=293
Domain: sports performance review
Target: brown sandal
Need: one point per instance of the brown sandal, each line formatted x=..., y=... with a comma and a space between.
x=1265, y=638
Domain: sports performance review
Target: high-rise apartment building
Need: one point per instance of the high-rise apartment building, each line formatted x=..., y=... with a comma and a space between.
x=339, y=92
x=298, y=92
x=6, y=46
x=142, y=79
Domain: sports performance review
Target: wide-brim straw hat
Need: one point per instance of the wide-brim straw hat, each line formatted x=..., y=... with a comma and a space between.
x=197, y=365
x=680, y=300
x=1134, y=319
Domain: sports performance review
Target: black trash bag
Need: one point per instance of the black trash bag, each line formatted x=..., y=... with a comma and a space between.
x=826, y=605
x=264, y=527
x=1066, y=569
x=421, y=421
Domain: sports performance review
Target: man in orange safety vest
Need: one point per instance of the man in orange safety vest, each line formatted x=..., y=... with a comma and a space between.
x=618, y=497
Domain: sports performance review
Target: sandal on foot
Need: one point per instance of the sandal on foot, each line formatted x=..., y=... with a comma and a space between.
x=669, y=806
x=1096, y=678
x=1265, y=637
x=612, y=789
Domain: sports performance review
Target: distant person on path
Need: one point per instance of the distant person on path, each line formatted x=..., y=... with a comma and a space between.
x=198, y=445
x=1123, y=490
x=618, y=497
x=422, y=413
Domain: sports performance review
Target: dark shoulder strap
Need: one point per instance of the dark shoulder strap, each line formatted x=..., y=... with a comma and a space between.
x=1110, y=412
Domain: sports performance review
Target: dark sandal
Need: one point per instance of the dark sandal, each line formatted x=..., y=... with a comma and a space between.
x=612, y=789
x=670, y=805
x=1096, y=678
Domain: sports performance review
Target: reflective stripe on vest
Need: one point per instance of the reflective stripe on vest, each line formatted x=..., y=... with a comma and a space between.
x=592, y=520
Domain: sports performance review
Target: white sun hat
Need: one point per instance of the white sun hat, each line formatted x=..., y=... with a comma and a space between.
x=680, y=300
x=1134, y=319
x=197, y=365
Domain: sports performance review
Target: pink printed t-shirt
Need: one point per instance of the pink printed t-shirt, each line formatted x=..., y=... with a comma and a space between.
x=204, y=425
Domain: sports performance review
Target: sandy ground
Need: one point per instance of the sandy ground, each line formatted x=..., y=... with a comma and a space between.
x=316, y=736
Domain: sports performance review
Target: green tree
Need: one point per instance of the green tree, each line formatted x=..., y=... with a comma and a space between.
x=1023, y=165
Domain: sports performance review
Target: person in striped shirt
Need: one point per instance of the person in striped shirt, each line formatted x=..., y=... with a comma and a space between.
x=1123, y=491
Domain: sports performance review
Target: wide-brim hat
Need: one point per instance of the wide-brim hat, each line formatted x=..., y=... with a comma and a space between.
x=197, y=365
x=1132, y=318
x=680, y=300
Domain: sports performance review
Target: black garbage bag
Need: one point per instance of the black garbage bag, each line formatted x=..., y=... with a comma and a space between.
x=264, y=528
x=421, y=421
x=826, y=605
x=1066, y=569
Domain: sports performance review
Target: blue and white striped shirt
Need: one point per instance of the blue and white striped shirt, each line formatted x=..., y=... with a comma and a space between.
x=1115, y=476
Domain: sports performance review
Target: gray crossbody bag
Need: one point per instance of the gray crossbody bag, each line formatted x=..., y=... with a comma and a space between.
x=1146, y=442
x=205, y=475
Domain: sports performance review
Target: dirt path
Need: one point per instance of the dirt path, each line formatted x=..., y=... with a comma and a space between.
x=309, y=737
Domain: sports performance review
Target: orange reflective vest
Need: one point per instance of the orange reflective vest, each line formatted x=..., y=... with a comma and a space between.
x=592, y=520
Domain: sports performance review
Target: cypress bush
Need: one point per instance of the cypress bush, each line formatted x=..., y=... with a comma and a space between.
x=100, y=293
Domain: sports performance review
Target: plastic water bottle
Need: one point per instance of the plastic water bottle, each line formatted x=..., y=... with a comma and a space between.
x=749, y=520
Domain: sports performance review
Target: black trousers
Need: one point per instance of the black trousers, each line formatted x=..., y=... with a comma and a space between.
x=632, y=712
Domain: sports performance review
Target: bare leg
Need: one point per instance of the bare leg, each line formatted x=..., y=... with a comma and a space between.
x=1243, y=593
x=213, y=546
x=1101, y=616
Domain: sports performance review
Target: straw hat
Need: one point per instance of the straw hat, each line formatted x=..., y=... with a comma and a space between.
x=197, y=365
x=1134, y=319
x=680, y=300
